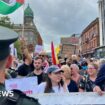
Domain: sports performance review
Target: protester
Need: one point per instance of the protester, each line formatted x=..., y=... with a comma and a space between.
x=38, y=71
x=75, y=73
x=69, y=61
x=72, y=86
x=62, y=62
x=44, y=57
x=25, y=68
x=55, y=82
x=88, y=80
x=75, y=60
x=84, y=67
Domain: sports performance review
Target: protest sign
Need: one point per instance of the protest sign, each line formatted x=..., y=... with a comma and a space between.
x=27, y=85
x=38, y=48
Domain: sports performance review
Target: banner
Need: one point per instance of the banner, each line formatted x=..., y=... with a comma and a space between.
x=27, y=85
x=85, y=98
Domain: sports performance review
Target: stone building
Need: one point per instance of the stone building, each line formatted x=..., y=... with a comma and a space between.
x=28, y=31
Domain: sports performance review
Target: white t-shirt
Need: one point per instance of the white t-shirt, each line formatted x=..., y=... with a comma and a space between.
x=56, y=89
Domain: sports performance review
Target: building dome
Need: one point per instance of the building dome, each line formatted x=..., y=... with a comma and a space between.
x=28, y=12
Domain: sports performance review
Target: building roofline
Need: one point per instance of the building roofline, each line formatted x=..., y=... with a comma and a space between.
x=90, y=25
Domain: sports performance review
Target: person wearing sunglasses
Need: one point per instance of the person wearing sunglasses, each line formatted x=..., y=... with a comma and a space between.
x=45, y=58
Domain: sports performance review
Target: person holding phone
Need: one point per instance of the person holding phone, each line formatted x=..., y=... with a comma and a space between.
x=72, y=86
x=55, y=82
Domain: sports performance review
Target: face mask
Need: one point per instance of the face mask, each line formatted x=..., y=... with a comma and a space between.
x=84, y=67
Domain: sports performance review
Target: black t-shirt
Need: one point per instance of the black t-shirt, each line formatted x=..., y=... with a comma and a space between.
x=72, y=87
x=40, y=77
x=23, y=70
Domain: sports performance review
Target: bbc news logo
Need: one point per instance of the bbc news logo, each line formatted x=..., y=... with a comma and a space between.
x=6, y=93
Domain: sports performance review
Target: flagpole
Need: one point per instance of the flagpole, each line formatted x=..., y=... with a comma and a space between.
x=23, y=21
x=22, y=36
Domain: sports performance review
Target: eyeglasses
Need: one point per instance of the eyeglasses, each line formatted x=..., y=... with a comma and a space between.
x=91, y=68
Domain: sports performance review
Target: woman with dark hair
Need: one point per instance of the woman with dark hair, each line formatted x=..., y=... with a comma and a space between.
x=54, y=83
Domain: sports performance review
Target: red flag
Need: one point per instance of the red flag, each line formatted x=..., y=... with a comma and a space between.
x=53, y=54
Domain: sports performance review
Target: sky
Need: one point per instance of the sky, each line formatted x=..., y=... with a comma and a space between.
x=59, y=18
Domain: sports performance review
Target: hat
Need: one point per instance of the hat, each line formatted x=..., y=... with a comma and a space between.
x=7, y=36
x=54, y=69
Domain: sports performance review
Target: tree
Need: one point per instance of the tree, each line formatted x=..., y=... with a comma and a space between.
x=17, y=45
x=5, y=21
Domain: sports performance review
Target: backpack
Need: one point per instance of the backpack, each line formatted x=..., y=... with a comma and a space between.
x=19, y=98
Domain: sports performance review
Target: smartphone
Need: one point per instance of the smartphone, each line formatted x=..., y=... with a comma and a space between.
x=62, y=82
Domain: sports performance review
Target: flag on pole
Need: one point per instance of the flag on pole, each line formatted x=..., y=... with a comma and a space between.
x=9, y=6
x=53, y=54
x=57, y=50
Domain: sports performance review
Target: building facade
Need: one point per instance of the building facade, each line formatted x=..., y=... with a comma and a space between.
x=69, y=46
x=90, y=39
x=100, y=51
x=28, y=31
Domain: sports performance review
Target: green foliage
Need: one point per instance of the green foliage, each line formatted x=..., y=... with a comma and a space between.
x=5, y=21
x=17, y=45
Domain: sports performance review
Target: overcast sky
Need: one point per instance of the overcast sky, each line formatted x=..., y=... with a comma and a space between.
x=59, y=18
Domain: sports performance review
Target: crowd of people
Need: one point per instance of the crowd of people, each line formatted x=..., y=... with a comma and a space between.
x=72, y=74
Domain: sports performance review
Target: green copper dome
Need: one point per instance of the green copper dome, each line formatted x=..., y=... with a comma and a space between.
x=28, y=12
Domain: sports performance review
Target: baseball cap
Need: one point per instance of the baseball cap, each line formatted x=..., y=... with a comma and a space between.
x=54, y=69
